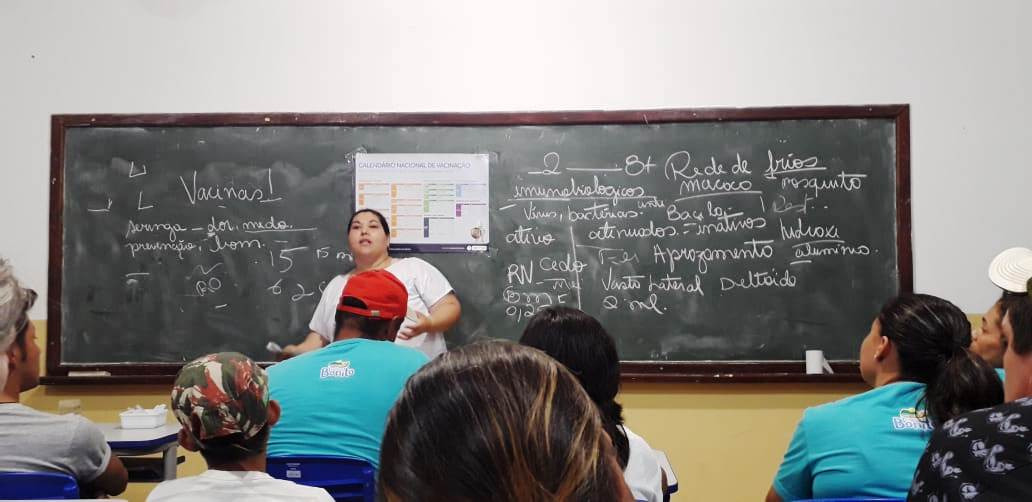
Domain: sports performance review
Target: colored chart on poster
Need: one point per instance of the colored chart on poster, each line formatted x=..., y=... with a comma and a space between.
x=433, y=202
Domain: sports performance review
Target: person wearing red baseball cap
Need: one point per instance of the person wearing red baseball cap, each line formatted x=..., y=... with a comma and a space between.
x=433, y=307
x=335, y=400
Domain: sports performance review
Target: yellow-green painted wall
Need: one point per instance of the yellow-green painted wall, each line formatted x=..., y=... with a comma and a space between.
x=724, y=440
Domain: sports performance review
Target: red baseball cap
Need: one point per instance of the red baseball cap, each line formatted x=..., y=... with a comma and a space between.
x=384, y=296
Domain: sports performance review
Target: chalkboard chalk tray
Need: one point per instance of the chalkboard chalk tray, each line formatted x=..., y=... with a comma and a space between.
x=716, y=245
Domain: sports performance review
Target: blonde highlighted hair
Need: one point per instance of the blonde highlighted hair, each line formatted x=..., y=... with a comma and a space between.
x=497, y=421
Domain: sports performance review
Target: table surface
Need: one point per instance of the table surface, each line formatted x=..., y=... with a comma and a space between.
x=136, y=442
x=120, y=438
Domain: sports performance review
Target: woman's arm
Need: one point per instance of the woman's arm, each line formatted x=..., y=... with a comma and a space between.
x=443, y=315
x=313, y=341
x=772, y=496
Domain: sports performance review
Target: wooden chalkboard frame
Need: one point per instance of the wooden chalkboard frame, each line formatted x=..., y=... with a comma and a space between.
x=642, y=371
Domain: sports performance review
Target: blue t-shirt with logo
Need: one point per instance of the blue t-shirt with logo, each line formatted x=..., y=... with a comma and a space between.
x=335, y=400
x=866, y=445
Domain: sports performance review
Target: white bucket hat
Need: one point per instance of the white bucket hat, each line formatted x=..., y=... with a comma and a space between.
x=1012, y=269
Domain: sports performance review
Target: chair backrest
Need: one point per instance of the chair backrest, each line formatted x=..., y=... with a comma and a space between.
x=37, y=486
x=346, y=479
x=860, y=499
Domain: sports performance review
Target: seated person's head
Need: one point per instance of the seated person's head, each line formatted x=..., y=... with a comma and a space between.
x=372, y=305
x=579, y=342
x=222, y=401
x=923, y=338
x=987, y=340
x=1017, y=360
x=497, y=421
x=1009, y=270
x=19, y=354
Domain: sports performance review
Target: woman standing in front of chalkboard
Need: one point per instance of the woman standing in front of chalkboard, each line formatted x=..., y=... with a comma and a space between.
x=432, y=305
x=868, y=445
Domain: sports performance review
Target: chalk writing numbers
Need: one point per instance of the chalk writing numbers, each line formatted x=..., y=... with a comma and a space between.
x=633, y=166
x=301, y=293
x=284, y=258
x=210, y=285
x=551, y=165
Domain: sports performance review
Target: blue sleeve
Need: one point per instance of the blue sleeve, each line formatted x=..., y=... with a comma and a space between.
x=795, y=476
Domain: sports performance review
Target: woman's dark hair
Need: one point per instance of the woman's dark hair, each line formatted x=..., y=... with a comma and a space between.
x=579, y=342
x=496, y=421
x=1008, y=300
x=383, y=221
x=931, y=336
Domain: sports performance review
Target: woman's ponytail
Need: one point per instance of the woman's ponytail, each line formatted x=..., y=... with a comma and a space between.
x=580, y=343
x=612, y=421
x=931, y=336
x=963, y=383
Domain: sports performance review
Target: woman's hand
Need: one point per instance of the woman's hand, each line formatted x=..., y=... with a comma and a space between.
x=443, y=315
x=416, y=323
x=312, y=342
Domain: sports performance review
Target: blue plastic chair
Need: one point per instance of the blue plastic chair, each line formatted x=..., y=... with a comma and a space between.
x=346, y=479
x=38, y=486
x=860, y=499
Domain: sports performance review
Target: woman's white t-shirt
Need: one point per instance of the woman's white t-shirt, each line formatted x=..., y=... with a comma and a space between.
x=425, y=285
x=643, y=474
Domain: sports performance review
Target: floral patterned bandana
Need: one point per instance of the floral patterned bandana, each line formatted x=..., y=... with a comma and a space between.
x=226, y=392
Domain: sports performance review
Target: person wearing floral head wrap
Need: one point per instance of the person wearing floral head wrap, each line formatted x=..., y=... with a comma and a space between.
x=220, y=395
x=34, y=441
x=15, y=302
x=222, y=402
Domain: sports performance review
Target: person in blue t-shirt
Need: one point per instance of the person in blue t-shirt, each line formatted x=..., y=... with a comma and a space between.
x=868, y=445
x=335, y=400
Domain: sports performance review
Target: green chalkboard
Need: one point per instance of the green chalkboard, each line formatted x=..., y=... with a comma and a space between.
x=709, y=242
